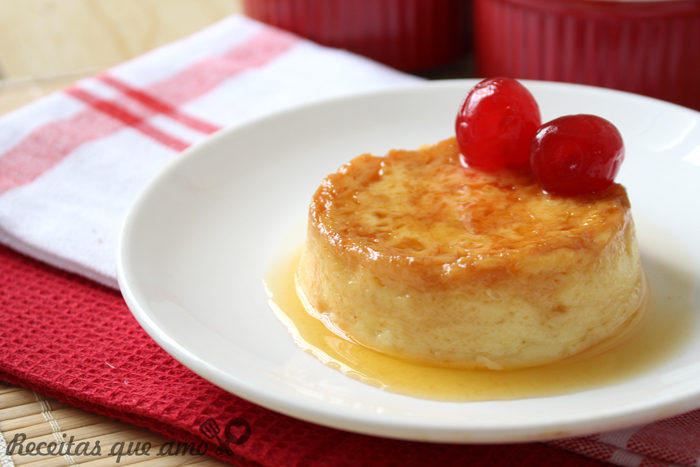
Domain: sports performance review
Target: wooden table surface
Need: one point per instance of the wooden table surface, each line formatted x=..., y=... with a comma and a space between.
x=45, y=45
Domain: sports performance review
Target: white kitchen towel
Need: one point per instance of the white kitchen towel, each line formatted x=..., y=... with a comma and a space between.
x=72, y=163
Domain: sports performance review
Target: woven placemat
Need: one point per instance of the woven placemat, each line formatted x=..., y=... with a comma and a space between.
x=35, y=431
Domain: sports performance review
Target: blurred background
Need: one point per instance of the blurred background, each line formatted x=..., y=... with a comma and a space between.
x=649, y=47
x=45, y=45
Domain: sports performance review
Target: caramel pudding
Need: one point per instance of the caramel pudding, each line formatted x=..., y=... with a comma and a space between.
x=420, y=258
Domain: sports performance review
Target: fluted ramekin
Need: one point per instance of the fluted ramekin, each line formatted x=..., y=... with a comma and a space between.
x=647, y=47
x=409, y=35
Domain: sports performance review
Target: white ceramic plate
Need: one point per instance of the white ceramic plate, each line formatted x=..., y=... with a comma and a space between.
x=197, y=243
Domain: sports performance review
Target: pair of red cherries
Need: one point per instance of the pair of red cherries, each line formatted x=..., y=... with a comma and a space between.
x=499, y=126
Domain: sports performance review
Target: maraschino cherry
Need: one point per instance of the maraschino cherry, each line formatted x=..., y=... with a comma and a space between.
x=496, y=123
x=577, y=154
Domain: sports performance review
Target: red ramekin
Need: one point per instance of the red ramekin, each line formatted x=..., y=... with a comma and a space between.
x=409, y=35
x=647, y=47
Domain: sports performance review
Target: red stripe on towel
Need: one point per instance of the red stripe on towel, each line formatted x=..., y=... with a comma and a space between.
x=201, y=77
x=49, y=144
x=128, y=119
x=158, y=105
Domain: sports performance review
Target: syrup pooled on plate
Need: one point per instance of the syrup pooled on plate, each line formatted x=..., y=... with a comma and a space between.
x=653, y=341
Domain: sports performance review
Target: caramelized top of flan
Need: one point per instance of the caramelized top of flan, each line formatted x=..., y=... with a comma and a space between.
x=423, y=218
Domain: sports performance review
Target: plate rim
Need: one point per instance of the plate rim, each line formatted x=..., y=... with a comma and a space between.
x=347, y=420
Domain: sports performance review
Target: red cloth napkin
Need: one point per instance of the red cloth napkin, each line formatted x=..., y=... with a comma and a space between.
x=71, y=164
x=72, y=339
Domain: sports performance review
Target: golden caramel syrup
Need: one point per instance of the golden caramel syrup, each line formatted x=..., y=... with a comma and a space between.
x=654, y=335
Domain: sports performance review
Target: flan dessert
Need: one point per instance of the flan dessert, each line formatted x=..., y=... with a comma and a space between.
x=417, y=256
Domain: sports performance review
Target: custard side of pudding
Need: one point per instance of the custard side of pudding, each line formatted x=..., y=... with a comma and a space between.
x=418, y=257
